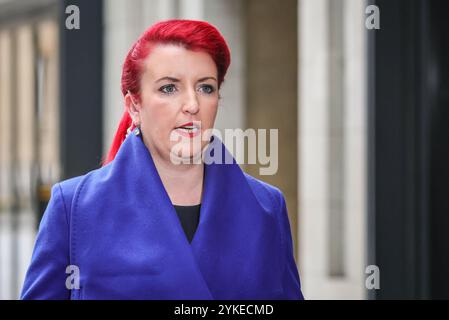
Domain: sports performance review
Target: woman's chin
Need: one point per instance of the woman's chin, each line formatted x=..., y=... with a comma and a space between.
x=186, y=155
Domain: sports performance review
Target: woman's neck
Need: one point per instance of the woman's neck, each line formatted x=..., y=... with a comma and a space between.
x=183, y=182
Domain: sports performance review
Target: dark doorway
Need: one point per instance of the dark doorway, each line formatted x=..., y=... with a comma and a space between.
x=409, y=149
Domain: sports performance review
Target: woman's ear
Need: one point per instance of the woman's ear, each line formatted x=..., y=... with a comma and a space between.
x=133, y=108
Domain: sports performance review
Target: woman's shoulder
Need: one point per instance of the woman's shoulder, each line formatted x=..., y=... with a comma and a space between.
x=70, y=185
x=268, y=195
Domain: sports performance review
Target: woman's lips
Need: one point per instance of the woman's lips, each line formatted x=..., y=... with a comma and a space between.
x=189, y=129
x=188, y=133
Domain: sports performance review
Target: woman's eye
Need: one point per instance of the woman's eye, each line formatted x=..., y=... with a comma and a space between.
x=169, y=88
x=207, y=89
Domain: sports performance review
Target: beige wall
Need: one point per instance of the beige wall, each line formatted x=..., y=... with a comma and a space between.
x=271, y=88
x=332, y=148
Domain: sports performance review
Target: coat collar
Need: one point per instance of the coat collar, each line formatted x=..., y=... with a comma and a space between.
x=220, y=178
x=236, y=244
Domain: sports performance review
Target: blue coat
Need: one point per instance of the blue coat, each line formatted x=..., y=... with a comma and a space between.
x=119, y=228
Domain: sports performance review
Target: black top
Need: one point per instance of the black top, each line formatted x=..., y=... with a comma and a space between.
x=189, y=216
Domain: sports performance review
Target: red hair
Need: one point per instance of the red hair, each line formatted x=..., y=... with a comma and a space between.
x=190, y=34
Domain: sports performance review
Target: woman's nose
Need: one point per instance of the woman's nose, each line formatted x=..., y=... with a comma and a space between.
x=191, y=103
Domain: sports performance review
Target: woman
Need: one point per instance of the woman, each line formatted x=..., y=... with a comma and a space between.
x=150, y=225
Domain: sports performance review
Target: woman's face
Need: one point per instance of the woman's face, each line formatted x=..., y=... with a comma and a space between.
x=178, y=87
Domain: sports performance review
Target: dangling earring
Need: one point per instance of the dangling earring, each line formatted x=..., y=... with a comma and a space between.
x=137, y=131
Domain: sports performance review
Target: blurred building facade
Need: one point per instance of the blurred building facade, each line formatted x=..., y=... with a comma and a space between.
x=309, y=68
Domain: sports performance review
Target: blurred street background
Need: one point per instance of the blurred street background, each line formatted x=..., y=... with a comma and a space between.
x=362, y=115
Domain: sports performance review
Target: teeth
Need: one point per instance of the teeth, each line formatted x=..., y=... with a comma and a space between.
x=194, y=129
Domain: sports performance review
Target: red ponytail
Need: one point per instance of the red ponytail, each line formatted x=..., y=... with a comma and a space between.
x=120, y=135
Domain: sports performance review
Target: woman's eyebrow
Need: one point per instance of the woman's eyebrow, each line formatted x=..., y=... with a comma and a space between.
x=177, y=80
x=168, y=78
x=206, y=78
